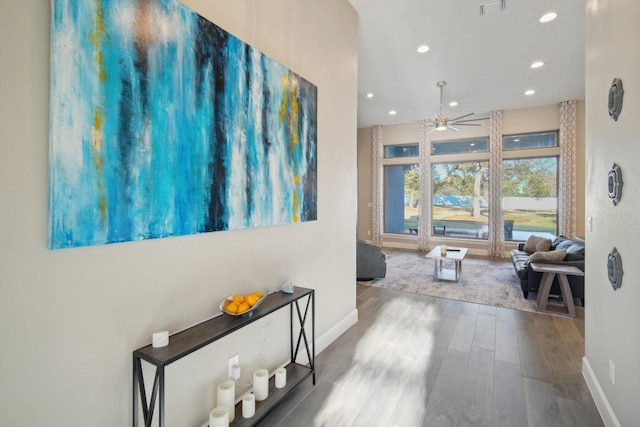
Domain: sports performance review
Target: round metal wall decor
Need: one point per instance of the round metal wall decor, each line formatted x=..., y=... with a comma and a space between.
x=616, y=94
x=614, y=269
x=614, y=184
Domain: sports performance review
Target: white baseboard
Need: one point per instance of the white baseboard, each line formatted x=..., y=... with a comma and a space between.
x=606, y=412
x=338, y=329
x=399, y=245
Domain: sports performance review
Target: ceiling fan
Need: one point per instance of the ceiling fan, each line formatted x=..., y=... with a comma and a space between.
x=442, y=122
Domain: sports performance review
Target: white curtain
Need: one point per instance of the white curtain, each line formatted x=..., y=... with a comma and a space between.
x=496, y=229
x=376, y=186
x=567, y=178
x=424, y=207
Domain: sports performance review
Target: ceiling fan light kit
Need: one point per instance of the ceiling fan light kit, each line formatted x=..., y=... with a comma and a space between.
x=442, y=122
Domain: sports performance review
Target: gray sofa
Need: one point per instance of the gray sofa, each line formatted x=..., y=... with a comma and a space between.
x=530, y=280
x=370, y=261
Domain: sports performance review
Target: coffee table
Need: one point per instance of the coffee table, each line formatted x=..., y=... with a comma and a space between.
x=455, y=254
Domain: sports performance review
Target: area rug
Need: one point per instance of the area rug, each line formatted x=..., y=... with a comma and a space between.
x=482, y=281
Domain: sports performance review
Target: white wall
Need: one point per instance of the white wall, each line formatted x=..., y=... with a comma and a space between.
x=69, y=319
x=612, y=317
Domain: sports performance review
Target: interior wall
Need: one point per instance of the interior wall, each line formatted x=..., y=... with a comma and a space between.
x=70, y=319
x=611, y=322
x=524, y=120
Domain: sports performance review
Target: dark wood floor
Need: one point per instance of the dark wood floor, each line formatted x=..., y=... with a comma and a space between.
x=415, y=360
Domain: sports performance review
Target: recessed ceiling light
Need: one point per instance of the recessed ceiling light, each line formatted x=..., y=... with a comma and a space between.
x=548, y=17
x=392, y=113
x=537, y=64
x=453, y=104
x=369, y=95
x=422, y=49
x=530, y=92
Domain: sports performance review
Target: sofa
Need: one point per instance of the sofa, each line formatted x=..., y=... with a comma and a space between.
x=530, y=280
x=371, y=262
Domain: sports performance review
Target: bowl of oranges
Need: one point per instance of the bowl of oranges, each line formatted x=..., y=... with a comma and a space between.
x=242, y=305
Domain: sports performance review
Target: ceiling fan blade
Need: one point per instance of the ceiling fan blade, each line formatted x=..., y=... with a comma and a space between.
x=467, y=124
x=431, y=131
x=473, y=120
x=452, y=128
x=461, y=117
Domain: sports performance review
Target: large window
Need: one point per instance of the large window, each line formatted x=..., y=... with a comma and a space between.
x=460, y=199
x=530, y=197
x=460, y=187
x=401, y=197
x=530, y=185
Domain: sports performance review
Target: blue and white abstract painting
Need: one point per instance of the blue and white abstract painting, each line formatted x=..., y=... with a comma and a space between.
x=163, y=124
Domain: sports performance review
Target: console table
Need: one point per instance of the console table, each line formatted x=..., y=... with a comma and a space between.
x=549, y=272
x=194, y=338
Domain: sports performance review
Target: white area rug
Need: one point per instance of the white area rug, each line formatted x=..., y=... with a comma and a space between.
x=482, y=281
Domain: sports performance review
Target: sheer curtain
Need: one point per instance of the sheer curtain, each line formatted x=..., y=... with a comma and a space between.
x=567, y=178
x=376, y=186
x=496, y=229
x=424, y=206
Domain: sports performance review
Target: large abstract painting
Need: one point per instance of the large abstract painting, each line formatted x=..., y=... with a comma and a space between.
x=163, y=124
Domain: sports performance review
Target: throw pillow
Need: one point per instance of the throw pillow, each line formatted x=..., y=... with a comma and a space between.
x=537, y=244
x=547, y=256
x=564, y=244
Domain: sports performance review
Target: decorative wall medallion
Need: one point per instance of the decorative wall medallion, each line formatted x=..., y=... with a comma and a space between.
x=614, y=269
x=615, y=99
x=614, y=183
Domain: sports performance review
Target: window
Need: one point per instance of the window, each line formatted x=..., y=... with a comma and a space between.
x=394, y=151
x=401, y=196
x=461, y=146
x=460, y=199
x=530, y=197
x=531, y=140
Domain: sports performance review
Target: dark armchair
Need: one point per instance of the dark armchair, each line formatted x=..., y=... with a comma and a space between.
x=370, y=261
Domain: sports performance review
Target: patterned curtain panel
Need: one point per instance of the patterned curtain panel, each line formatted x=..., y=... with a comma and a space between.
x=376, y=186
x=496, y=229
x=424, y=206
x=567, y=179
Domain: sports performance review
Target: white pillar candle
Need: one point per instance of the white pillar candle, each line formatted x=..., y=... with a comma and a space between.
x=249, y=405
x=219, y=417
x=261, y=384
x=227, y=397
x=160, y=339
x=281, y=377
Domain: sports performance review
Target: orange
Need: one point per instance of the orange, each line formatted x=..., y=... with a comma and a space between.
x=243, y=307
x=232, y=308
x=257, y=294
x=251, y=300
x=238, y=298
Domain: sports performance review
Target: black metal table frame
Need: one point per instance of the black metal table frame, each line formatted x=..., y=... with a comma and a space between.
x=158, y=389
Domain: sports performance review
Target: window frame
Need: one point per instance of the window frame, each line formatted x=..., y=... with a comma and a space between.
x=395, y=161
x=536, y=153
